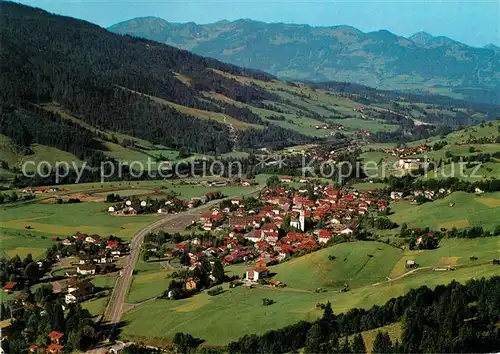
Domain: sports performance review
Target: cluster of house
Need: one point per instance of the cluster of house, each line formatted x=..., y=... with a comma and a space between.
x=55, y=346
x=90, y=259
x=408, y=150
x=38, y=190
x=330, y=126
x=427, y=193
x=413, y=163
x=129, y=207
x=364, y=132
x=224, y=183
x=165, y=206
x=258, y=234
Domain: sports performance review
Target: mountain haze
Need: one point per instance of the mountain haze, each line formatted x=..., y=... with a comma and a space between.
x=339, y=53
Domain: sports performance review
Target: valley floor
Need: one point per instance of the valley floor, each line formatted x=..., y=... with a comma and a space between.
x=239, y=311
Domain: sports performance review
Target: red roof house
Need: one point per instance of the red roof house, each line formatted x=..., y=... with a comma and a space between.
x=10, y=286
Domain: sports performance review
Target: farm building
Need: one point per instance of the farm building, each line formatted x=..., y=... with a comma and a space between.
x=256, y=274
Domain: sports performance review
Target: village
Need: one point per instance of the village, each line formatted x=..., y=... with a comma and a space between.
x=271, y=228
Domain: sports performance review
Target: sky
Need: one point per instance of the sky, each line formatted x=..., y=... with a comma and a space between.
x=474, y=22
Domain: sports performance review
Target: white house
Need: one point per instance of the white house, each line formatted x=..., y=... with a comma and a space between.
x=86, y=269
x=335, y=221
x=256, y=274
x=78, y=291
x=90, y=239
x=396, y=195
x=347, y=231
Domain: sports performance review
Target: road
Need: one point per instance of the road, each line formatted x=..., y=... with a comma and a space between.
x=114, y=309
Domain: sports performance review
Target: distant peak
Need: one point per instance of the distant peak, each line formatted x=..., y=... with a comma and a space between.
x=422, y=34
x=491, y=46
x=137, y=21
x=425, y=39
x=422, y=38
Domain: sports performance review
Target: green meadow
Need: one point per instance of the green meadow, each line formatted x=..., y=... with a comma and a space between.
x=66, y=219
x=148, y=285
x=355, y=264
x=468, y=210
x=232, y=314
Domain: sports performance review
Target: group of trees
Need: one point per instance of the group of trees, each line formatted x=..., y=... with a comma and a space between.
x=205, y=276
x=383, y=223
x=14, y=197
x=27, y=124
x=463, y=317
x=407, y=184
x=32, y=324
x=25, y=272
x=468, y=232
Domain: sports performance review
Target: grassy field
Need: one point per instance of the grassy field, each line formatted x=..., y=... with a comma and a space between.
x=355, y=264
x=336, y=107
x=148, y=285
x=66, y=219
x=97, y=306
x=23, y=242
x=232, y=314
x=395, y=330
x=373, y=125
x=47, y=220
x=469, y=210
x=451, y=252
x=485, y=171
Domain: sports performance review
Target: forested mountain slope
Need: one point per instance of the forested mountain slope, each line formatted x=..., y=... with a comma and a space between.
x=113, y=83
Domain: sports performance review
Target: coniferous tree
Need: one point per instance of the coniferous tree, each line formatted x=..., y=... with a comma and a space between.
x=358, y=344
x=314, y=339
x=382, y=343
x=218, y=272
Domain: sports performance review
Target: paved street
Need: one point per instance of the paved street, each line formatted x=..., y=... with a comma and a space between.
x=179, y=221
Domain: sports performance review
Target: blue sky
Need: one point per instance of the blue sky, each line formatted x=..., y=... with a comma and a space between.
x=474, y=22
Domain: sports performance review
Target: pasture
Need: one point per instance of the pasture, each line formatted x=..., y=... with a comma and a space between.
x=23, y=242
x=475, y=173
x=232, y=314
x=355, y=264
x=66, y=219
x=451, y=252
x=468, y=210
x=373, y=125
x=148, y=285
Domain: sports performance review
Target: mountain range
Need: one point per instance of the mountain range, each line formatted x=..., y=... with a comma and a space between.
x=379, y=59
x=73, y=91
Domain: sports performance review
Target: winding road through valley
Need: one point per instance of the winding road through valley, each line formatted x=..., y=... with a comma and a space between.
x=114, y=309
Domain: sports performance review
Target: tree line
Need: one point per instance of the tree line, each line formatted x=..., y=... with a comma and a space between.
x=462, y=316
